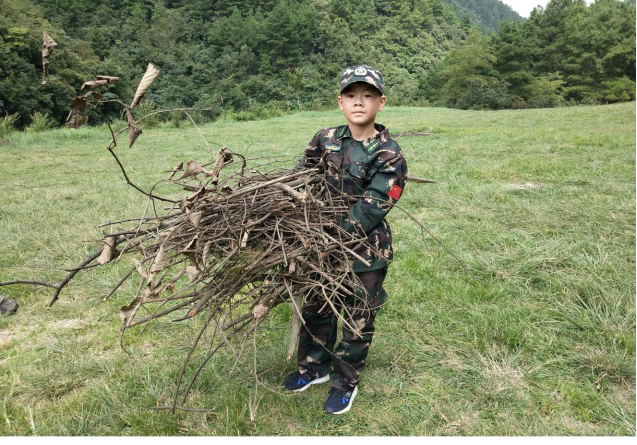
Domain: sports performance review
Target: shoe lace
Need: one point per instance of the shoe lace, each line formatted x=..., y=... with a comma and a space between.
x=300, y=378
x=342, y=394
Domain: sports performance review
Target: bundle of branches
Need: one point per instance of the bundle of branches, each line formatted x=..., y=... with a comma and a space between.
x=239, y=244
x=251, y=235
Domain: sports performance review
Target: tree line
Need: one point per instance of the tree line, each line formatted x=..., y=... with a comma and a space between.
x=567, y=53
x=256, y=58
x=486, y=15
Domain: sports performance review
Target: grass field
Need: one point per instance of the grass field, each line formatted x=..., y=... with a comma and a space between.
x=538, y=204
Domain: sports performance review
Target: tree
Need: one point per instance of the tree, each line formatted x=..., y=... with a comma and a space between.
x=471, y=80
x=515, y=54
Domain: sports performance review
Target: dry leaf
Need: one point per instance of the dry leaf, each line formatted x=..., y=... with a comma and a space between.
x=149, y=77
x=192, y=245
x=195, y=218
x=48, y=44
x=77, y=116
x=206, y=252
x=96, y=96
x=140, y=270
x=193, y=273
x=160, y=261
x=192, y=257
x=244, y=240
x=193, y=169
x=108, y=250
x=260, y=311
x=223, y=158
x=133, y=129
x=94, y=84
x=175, y=170
x=100, y=82
x=127, y=313
x=111, y=79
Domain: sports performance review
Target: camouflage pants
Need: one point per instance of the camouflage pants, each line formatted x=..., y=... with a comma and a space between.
x=316, y=353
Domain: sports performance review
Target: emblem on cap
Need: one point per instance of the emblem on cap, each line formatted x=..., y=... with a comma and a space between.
x=360, y=71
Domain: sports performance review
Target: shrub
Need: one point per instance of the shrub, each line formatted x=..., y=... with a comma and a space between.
x=482, y=92
x=618, y=90
x=39, y=122
x=177, y=118
x=7, y=124
x=256, y=112
x=546, y=91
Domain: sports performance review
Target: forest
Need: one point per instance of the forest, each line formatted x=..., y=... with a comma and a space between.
x=257, y=58
x=486, y=15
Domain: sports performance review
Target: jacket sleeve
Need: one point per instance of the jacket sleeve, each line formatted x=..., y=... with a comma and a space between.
x=377, y=199
x=313, y=152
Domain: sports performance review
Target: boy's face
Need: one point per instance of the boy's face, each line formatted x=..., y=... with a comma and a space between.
x=360, y=102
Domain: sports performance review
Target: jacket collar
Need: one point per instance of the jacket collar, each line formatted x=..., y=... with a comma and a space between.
x=383, y=133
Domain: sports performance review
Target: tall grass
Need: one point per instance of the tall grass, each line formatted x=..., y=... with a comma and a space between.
x=39, y=122
x=538, y=339
x=7, y=124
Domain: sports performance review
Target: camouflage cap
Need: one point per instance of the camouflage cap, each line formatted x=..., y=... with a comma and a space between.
x=362, y=73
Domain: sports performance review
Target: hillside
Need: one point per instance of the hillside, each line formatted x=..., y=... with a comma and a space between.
x=254, y=59
x=486, y=15
x=255, y=55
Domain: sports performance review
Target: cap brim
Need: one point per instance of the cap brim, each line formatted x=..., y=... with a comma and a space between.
x=363, y=79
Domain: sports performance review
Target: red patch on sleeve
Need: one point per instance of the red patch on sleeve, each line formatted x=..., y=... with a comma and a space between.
x=395, y=192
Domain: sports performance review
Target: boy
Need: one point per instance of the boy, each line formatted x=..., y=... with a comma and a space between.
x=368, y=167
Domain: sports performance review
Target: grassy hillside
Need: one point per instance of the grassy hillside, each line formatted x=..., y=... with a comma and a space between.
x=538, y=204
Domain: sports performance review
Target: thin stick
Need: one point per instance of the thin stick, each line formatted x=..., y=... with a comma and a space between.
x=401, y=133
x=182, y=408
x=33, y=282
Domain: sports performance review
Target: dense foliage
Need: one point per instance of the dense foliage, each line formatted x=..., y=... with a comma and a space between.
x=566, y=53
x=255, y=58
x=486, y=15
x=251, y=56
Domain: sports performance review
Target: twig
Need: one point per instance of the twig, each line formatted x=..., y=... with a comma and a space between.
x=406, y=126
x=33, y=282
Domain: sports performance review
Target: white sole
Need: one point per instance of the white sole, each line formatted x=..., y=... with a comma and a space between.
x=323, y=379
x=349, y=406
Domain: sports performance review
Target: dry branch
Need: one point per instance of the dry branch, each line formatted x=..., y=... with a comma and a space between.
x=48, y=45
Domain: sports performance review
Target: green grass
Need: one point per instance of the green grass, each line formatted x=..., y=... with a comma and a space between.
x=538, y=204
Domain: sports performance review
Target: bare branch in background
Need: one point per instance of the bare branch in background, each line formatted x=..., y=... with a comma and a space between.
x=77, y=116
x=48, y=44
x=133, y=129
x=100, y=82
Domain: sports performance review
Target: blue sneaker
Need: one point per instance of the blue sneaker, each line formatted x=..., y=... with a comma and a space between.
x=339, y=401
x=298, y=382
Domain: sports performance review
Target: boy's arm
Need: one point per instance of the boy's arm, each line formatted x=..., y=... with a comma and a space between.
x=378, y=198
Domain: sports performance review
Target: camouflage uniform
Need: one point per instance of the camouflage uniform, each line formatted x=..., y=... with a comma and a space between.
x=371, y=174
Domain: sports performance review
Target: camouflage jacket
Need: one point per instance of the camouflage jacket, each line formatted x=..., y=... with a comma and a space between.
x=372, y=175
